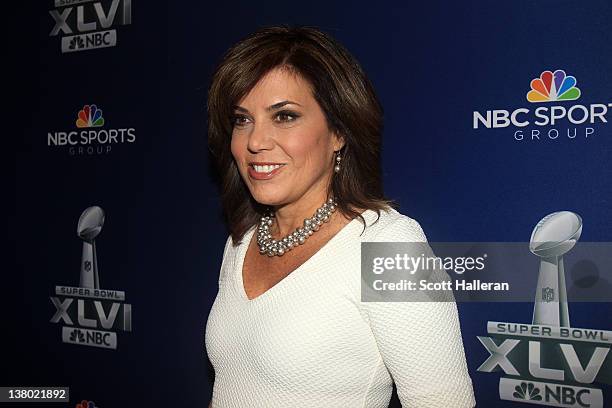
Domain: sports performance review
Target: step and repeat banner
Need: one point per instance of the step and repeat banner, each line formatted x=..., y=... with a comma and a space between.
x=498, y=129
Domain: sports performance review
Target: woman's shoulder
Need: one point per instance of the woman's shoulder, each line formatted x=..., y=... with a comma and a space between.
x=232, y=245
x=229, y=246
x=392, y=226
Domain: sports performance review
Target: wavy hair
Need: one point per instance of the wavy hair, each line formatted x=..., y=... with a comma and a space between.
x=345, y=95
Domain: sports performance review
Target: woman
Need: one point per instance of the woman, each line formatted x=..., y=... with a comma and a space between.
x=295, y=128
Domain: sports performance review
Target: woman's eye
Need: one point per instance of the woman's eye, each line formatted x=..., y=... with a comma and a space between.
x=286, y=116
x=239, y=120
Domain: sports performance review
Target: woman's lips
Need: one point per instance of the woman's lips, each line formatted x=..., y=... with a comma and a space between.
x=263, y=175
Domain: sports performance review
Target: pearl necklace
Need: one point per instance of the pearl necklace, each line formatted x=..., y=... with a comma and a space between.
x=272, y=247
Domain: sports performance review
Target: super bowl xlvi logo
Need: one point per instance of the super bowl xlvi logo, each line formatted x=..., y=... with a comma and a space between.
x=548, y=362
x=86, y=24
x=90, y=136
x=554, y=119
x=90, y=315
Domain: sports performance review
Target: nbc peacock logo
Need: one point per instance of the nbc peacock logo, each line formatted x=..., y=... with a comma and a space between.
x=527, y=391
x=86, y=404
x=553, y=86
x=90, y=116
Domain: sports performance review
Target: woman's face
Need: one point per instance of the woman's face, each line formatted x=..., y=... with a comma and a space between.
x=281, y=142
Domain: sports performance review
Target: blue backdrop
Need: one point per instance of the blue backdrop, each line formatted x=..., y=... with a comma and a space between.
x=433, y=64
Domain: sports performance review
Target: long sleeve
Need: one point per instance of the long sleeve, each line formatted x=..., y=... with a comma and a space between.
x=420, y=341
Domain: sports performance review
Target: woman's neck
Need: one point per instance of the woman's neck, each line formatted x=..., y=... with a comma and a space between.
x=291, y=216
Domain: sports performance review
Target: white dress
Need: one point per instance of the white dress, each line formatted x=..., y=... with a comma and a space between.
x=310, y=342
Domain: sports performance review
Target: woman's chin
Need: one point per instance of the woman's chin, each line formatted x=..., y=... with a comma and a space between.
x=270, y=199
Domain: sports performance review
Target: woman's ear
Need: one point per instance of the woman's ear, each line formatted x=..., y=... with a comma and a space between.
x=337, y=141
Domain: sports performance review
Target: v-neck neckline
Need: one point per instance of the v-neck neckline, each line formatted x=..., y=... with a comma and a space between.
x=246, y=242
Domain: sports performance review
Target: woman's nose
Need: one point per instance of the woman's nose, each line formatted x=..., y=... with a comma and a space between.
x=260, y=137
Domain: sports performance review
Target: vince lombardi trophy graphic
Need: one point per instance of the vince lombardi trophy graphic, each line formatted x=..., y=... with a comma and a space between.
x=90, y=225
x=551, y=238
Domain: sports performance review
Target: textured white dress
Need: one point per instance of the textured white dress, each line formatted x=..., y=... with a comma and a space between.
x=310, y=342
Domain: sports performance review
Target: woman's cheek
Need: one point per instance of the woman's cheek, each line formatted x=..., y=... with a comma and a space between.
x=236, y=148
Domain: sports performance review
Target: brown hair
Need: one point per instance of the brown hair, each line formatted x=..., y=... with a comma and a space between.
x=344, y=93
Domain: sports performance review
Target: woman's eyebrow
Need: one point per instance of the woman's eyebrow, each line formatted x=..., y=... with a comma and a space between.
x=277, y=105
x=240, y=108
x=280, y=105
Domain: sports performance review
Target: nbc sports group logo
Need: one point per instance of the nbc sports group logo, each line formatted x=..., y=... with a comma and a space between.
x=91, y=316
x=90, y=137
x=555, y=119
x=88, y=24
